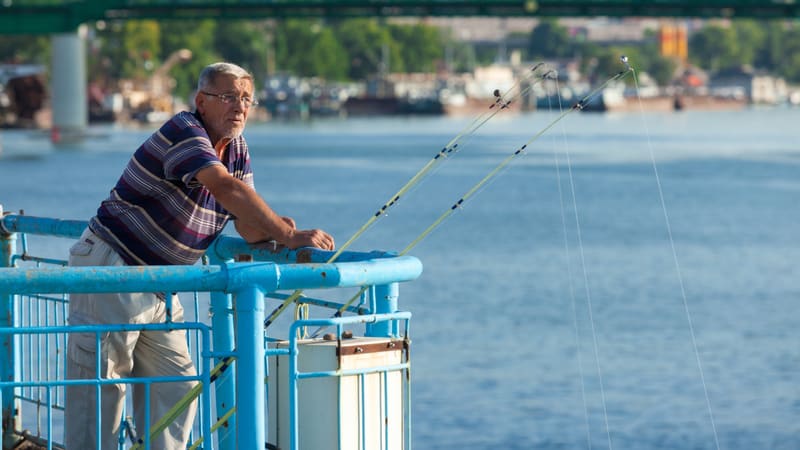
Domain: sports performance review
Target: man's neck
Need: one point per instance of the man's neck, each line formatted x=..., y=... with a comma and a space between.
x=220, y=147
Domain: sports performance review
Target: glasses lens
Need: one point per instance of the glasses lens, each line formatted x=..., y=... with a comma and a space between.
x=228, y=98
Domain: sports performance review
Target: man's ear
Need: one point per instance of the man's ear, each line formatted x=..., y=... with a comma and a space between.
x=199, y=101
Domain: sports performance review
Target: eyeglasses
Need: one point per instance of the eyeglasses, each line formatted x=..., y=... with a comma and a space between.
x=229, y=98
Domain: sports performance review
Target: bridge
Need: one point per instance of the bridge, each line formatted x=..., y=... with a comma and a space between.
x=53, y=16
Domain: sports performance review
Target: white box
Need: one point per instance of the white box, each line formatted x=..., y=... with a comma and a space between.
x=353, y=412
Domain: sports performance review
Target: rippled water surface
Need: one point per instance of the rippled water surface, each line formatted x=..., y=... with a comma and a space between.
x=631, y=282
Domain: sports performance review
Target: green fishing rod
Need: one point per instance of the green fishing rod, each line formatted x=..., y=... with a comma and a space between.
x=457, y=205
x=498, y=105
x=184, y=403
x=493, y=173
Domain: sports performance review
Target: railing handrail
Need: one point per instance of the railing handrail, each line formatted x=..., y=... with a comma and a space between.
x=223, y=248
x=227, y=277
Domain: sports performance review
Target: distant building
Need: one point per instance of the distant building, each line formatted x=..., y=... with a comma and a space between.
x=756, y=86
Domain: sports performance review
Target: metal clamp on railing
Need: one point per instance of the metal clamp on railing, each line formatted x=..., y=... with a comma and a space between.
x=3, y=229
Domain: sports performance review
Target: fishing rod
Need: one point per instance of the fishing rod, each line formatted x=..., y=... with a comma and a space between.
x=494, y=172
x=498, y=105
x=184, y=403
x=226, y=362
x=679, y=275
x=501, y=102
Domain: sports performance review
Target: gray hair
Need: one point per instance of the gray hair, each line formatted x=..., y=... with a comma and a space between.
x=212, y=71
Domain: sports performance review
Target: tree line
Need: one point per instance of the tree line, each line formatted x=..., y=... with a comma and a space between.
x=771, y=46
x=356, y=48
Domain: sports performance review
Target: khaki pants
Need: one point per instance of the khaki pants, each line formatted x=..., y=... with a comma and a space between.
x=123, y=354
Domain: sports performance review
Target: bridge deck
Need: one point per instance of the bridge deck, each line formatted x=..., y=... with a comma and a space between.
x=49, y=16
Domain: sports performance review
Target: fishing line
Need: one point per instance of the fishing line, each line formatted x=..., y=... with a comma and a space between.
x=568, y=258
x=520, y=151
x=587, y=291
x=195, y=392
x=490, y=176
x=676, y=262
x=499, y=104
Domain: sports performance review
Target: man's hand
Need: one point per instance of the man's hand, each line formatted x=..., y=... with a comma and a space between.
x=308, y=238
x=255, y=220
x=311, y=238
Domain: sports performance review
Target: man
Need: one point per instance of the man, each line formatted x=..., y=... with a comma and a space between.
x=175, y=196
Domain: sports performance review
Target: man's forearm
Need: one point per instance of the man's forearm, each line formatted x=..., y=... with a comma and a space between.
x=256, y=221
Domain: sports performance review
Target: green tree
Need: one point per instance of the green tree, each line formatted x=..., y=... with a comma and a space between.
x=369, y=47
x=308, y=48
x=714, y=48
x=790, y=63
x=459, y=56
x=662, y=69
x=330, y=58
x=292, y=39
x=752, y=37
x=197, y=36
x=770, y=55
x=141, y=47
x=24, y=49
x=104, y=49
x=245, y=43
x=608, y=61
x=549, y=39
x=421, y=46
x=649, y=59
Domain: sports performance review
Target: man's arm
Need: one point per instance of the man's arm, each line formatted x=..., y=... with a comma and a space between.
x=254, y=234
x=258, y=222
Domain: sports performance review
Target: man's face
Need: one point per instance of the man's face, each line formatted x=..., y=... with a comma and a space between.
x=225, y=120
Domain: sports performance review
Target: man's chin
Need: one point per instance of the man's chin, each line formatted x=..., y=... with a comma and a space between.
x=233, y=134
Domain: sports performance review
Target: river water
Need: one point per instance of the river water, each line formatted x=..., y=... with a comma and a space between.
x=566, y=305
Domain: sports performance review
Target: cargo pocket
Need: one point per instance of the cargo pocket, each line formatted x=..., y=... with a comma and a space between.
x=81, y=248
x=82, y=349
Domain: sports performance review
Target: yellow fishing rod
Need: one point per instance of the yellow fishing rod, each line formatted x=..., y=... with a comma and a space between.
x=499, y=104
x=494, y=172
x=182, y=404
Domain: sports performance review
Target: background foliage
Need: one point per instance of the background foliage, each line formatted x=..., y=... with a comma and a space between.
x=354, y=49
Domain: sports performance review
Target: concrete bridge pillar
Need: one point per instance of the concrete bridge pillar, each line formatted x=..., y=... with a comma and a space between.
x=68, y=86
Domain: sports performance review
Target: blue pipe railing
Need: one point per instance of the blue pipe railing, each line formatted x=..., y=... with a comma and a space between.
x=229, y=277
x=272, y=269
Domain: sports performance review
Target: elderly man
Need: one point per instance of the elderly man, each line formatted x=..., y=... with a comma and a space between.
x=176, y=195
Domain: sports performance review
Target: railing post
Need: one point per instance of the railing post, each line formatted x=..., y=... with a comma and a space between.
x=385, y=302
x=250, y=392
x=9, y=349
x=224, y=342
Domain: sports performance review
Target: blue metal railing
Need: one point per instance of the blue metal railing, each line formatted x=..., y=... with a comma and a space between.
x=34, y=294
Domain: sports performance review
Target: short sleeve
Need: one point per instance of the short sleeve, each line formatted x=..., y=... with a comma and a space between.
x=191, y=152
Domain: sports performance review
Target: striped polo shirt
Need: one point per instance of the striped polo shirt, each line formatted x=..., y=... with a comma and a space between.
x=158, y=213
